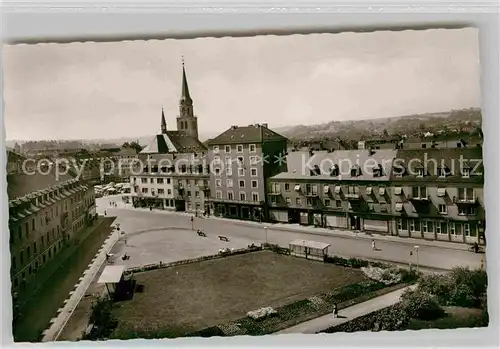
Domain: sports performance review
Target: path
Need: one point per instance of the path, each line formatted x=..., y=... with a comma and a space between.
x=348, y=314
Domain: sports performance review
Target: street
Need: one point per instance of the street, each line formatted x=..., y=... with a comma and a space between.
x=151, y=236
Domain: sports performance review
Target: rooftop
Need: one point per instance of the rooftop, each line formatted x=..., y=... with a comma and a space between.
x=247, y=134
x=173, y=142
x=19, y=185
x=111, y=274
x=310, y=244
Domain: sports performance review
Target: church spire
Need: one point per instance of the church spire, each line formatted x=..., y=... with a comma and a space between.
x=163, y=122
x=185, y=97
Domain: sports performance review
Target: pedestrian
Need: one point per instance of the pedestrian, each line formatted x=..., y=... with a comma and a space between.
x=105, y=213
x=482, y=263
x=335, y=311
x=373, y=245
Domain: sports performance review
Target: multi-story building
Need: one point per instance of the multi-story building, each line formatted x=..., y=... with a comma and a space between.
x=438, y=194
x=242, y=159
x=346, y=189
x=427, y=193
x=173, y=172
x=46, y=212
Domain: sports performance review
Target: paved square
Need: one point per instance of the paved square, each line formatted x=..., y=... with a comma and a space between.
x=194, y=296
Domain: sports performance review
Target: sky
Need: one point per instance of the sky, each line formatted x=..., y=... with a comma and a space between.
x=111, y=90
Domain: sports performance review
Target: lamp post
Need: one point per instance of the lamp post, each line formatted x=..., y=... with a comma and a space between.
x=265, y=230
x=416, y=247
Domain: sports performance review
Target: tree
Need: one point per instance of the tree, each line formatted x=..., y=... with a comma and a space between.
x=126, y=145
x=136, y=146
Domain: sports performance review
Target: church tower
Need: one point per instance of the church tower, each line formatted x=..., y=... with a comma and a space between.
x=163, y=122
x=186, y=121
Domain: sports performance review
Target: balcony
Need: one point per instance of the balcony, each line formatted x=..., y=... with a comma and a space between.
x=240, y=202
x=311, y=194
x=465, y=201
x=352, y=196
x=419, y=198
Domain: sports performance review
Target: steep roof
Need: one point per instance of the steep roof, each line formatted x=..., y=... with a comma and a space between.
x=247, y=134
x=173, y=142
x=300, y=163
x=19, y=185
x=435, y=158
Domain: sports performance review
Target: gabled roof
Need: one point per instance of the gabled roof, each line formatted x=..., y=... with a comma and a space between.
x=247, y=134
x=173, y=142
x=19, y=185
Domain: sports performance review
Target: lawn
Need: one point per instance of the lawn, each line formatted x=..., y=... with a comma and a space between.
x=70, y=266
x=455, y=317
x=187, y=298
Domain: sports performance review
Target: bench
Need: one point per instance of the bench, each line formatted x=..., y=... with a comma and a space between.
x=223, y=238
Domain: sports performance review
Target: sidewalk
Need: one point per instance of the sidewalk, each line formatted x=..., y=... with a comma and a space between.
x=348, y=314
x=346, y=234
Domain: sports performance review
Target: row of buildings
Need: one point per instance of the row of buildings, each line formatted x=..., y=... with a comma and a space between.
x=47, y=211
x=248, y=173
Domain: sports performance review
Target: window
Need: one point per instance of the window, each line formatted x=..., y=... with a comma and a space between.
x=420, y=172
x=273, y=199
x=34, y=247
x=218, y=194
x=242, y=184
x=144, y=190
x=287, y=186
x=352, y=189
x=467, y=229
x=168, y=180
x=466, y=173
x=216, y=160
x=161, y=191
x=298, y=202
x=240, y=160
x=255, y=197
x=169, y=191
x=443, y=209
x=215, y=149
x=327, y=202
x=253, y=172
x=425, y=226
x=253, y=148
x=144, y=180
x=466, y=194
x=443, y=171
x=419, y=192
x=241, y=172
x=159, y=180
x=402, y=224
x=217, y=171
x=197, y=194
x=243, y=196
x=338, y=203
x=253, y=160
x=152, y=180
x=228, y=161
x=229, y=171
x=229, y=183
x=412, y=225
x=227, y=148
x=218, y=183
x=255, y=184
x=239, y=148
x=288, y=201
x=27, y=229
x=230, y=195
x=453, y=229
x=189, y=193
x=466, y=211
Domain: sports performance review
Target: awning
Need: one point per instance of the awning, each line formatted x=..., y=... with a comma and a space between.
x=111, y=274
x=326, y=189
x=441, y=192
x=399, y=206
x=337, y=189
x=297, y=187
x=398, y=190
x=369, y=190
x=381, y=191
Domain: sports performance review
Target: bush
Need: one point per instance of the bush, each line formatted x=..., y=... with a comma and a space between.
x=421, y=305
x=102, y=319
x=386, y=276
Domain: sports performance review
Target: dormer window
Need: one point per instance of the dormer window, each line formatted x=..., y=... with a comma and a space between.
x=316, y=171
x=419, y=172
x=443, y=171
x=466, y=173
x=377, y=171
x=334, y=170
x=355, y=171
x=399, y=171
